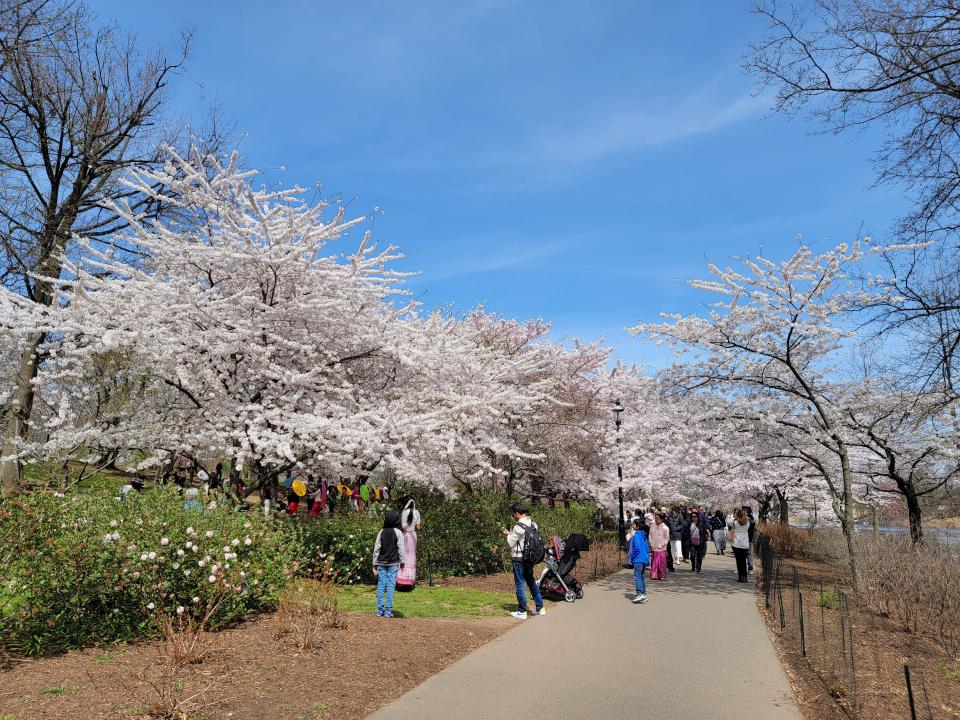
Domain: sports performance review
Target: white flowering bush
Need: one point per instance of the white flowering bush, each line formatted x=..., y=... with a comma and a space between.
x=343, y=545
x=90, y=569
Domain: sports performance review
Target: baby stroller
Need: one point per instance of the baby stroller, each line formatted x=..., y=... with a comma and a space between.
x=557, y=581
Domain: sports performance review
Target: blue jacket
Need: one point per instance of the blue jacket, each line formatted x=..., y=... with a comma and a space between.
x=639, y=549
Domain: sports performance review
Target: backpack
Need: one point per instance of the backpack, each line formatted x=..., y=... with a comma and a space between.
x=533, y=547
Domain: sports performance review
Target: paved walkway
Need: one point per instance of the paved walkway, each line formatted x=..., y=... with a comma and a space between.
x=698, y=648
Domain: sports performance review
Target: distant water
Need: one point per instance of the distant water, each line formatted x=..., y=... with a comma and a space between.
x=947, y=535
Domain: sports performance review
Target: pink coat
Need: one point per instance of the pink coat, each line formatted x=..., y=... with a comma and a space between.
x=659, y=536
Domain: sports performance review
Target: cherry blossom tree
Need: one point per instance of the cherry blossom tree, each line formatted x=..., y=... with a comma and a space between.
x=909, y=443
x=779, y=330
x=242, y=333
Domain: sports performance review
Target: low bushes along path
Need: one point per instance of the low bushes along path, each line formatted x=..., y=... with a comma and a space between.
x=698, y=647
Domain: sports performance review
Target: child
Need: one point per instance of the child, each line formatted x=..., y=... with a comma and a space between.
x=388, y=557
x=639, y=558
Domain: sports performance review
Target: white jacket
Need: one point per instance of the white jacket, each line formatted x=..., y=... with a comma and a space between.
x=515, y=538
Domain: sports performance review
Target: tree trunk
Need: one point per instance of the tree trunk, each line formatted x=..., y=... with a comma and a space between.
x=916, y=525
x=784, y=507
x=847, y=522
x=18, y=421
x=764, y=502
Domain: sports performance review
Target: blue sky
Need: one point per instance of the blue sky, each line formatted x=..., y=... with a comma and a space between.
x=542, y=158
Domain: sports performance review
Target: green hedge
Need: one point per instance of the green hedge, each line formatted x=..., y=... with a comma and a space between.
x=93, y=569
x=348, y=540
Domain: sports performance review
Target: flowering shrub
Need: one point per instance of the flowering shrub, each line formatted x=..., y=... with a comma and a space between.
x=85, y=569
x=346, y=543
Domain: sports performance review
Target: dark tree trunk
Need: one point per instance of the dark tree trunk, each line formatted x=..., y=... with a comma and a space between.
x=914, y=514
x=784, y=507
x=764, y=502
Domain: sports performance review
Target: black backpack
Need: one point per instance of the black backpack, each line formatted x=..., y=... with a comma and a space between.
x=533, y=547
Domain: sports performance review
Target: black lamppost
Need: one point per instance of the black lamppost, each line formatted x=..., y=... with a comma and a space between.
x=621, y=522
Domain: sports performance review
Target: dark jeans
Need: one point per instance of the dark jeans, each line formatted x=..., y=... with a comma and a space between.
x=697, y=553
x=741, y=555
x=523, y=573
x=670, y=557
x=685, y=549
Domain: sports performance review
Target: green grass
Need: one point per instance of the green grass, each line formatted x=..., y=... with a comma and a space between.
x=110, y=656
x=829, y=599
x=37, y=475
x=950, y=672
x=429, y=602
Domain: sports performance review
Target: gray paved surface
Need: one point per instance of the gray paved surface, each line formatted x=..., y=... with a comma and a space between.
x=697, y=649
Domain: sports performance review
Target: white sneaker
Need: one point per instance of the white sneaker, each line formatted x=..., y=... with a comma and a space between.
x=640, y=599
x=541, y=612
x=519, y=615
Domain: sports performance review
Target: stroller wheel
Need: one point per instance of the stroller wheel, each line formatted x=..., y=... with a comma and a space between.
x=570, y=596
x=579, y=594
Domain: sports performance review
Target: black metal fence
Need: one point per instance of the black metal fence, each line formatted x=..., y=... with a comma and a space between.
x=818, y=624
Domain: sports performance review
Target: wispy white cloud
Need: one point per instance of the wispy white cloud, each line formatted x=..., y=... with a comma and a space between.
x=545, y=151
x=619, y=131
x=491, y=255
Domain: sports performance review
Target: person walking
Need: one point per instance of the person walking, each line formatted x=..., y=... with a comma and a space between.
x=640, y=558
x=389, y=557
x=675, y=523
x=752, y=534
x=409, y=524
x=659, y=540
x=719, y=524
x=523, y=569
x=739, y=535
x=685, y=533
x=698, y=540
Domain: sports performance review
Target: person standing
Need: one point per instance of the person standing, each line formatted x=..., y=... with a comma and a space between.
x=698, y=540
x=409, y=524
x=752, y=535
x=354, y=494
x=719, y=525
x=685, y=533
x=659, y=540
x=364, y=496
x=313, y=495
x=388, y=558
x=740, y=535
x=204, y=477
x=675, y=523
x=639, y=557
x=522, y=569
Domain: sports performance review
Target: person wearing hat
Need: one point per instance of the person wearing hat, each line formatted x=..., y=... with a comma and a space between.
x=522, y=570
x=389, y=556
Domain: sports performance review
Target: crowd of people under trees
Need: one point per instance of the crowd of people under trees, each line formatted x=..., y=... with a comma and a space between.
x=660, y=540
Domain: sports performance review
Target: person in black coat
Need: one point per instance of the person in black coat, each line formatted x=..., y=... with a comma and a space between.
x=685, y=534
x=719, y=525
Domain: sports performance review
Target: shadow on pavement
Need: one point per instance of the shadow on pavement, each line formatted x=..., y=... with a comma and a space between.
x=712, y=581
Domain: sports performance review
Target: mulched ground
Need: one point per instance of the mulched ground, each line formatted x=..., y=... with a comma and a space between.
x=833, y=683
x=250, y=674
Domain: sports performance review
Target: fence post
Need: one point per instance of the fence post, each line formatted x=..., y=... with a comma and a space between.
x=803, y=640
x=783, y=617
x=767, y=569
x=913, y=707
x=854, y=695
